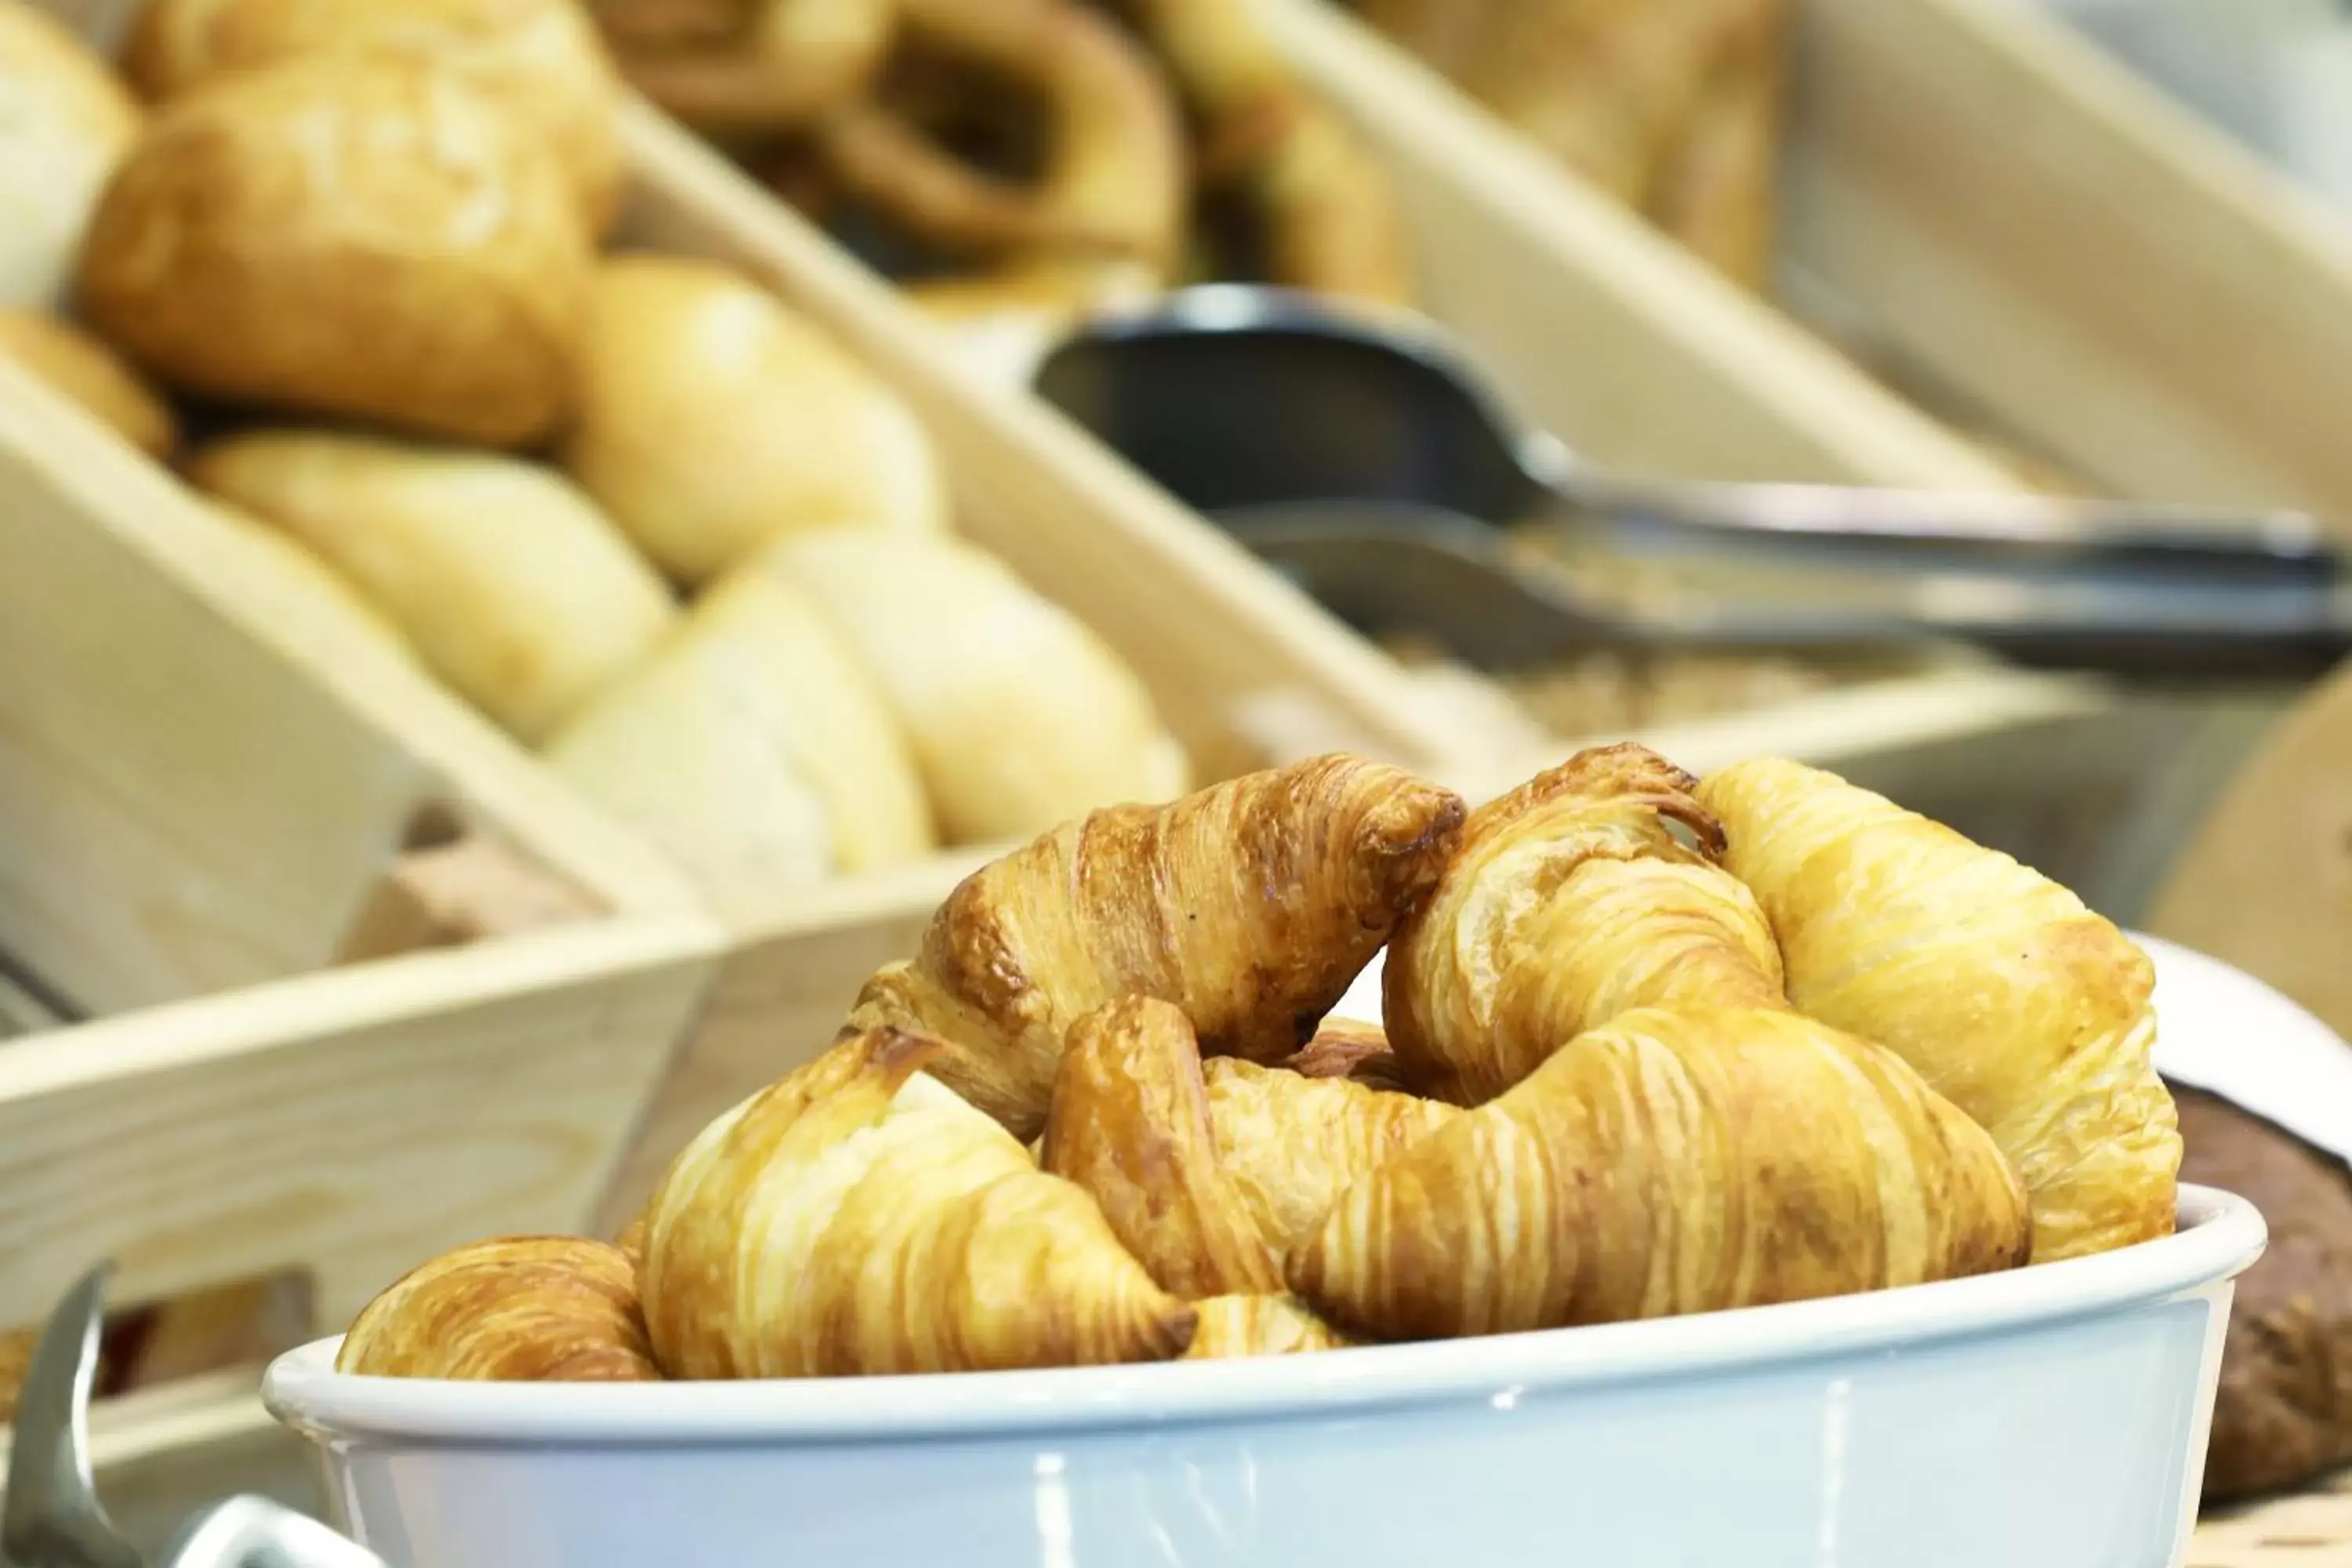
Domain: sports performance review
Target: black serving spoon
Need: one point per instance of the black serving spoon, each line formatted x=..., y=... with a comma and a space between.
x=1366, y=456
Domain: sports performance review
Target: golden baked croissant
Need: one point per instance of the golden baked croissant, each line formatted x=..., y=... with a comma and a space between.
x=1672, y=1161
x=1352, y=1049
x=1250, y=905
x=1293, y=1144
x=1130, y=1124
x=1234, y=1327
x=858, y=1218
x=519, y=1310
x=1571, y=901
x=2029, y=1011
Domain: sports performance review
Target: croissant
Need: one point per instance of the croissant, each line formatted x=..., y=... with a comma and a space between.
x=1130, y=1124
x=1293, y=1144
x=2031, y=1013
x=1250, y=906
x=857, y=1218
x=1571, y=901
x=1672, y=1161
x=1352, y=1049
x=517, y=1310
x=1234, y=1327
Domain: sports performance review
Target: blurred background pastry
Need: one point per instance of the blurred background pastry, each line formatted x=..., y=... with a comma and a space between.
x=360, y=236
x=93, y=375
x=1020, y=716
x=65, y=121
x=754, y=747
x=711, y=419
x=542, y=60
x=514, y=588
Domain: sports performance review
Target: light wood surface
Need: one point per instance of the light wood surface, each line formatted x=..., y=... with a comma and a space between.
x=345, y=1125
x=2265, y=882
x=194, y=799
x=1604, y=332
x=475, y=890
x=2310, y=1530
x=2052, y=238
x=780, y=999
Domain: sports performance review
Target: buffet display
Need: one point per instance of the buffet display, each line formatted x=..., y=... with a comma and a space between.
x=345, y=271
x=1027, y=161
x=1653, y=1046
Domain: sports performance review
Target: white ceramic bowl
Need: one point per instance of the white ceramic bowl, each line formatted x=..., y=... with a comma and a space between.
x=2053, y=1417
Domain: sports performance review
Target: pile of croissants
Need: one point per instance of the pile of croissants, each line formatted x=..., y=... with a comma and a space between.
x=1031, y=159
x=1654, y=1045
x=631, y=507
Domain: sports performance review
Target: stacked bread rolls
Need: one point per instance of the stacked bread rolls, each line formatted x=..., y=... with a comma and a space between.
x=349, y=268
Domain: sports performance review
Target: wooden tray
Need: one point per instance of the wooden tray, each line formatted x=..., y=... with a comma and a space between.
x=2312, y=1530
x=192, y=807
x=2034, y=238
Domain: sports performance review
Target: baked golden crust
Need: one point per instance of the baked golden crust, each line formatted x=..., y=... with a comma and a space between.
x=510, y=584
x=517, y=1310
x=77, y=365
x=754, y=747
x=1571, y=901
x=1293, y=1144
x=1130, y=1124
x=2029, y=1011
x=713, y=419
x=1250, y=905
x=541, y=61
x=68, y=122
x=1672, y=1161
x=1020, y=715
x=365, y=238
x=856, y=1218
x=1352, y=1049
x=1236, y=1327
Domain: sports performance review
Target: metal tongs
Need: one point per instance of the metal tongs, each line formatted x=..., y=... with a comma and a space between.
x=51, y=1517
x=1368, y=457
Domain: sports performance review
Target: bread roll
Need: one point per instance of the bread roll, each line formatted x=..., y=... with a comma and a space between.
x=542, y=59
x=512, y=586
x=754, y=749
x=353, y=236
x=77, y=367
x=2284, y=1411
x=1020, y=717
x=297, y=595
x=65, y=121
x=711, y=419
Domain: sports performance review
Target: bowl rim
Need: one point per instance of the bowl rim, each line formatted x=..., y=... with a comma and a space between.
x=2219, y=1235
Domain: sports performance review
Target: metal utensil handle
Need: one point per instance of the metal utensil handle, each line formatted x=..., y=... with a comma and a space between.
x=2286, y=543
